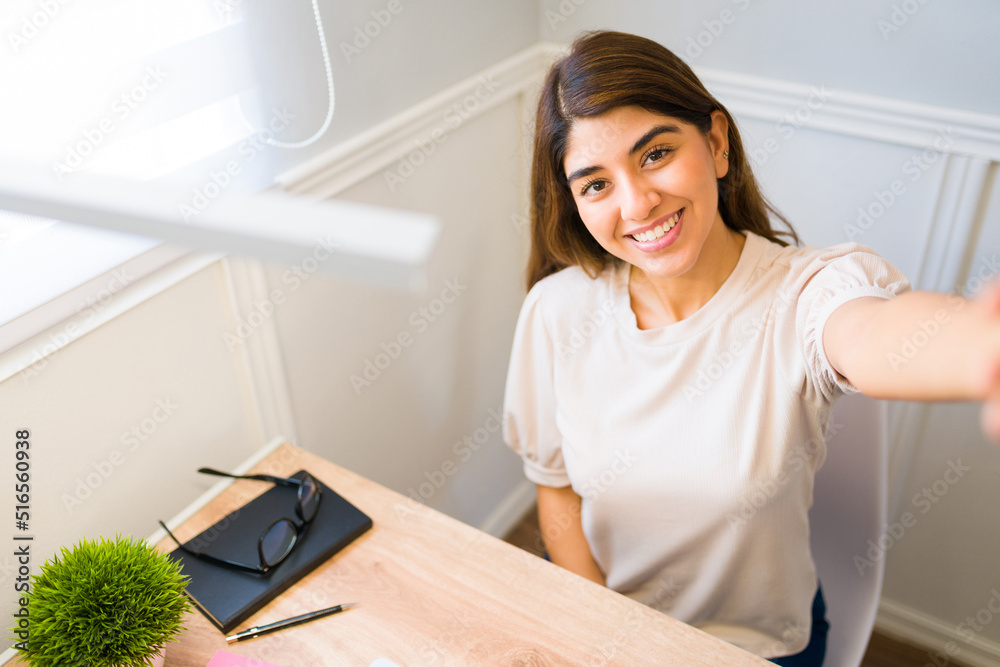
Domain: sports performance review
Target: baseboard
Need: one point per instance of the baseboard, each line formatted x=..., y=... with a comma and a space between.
x=249, y=462
x=510, y=511
x=935, y=636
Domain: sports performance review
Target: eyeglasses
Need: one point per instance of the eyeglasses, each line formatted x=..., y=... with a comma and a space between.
x=278, y=539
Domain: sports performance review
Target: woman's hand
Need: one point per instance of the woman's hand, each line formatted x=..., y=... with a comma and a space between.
x=988, y=302
x=922, y=346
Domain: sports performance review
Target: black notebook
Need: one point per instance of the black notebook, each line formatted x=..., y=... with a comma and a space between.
x=229, y=596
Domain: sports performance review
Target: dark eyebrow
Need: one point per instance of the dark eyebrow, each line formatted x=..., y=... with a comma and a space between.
x=643, y=140
x=649, y=136
x=580, y=173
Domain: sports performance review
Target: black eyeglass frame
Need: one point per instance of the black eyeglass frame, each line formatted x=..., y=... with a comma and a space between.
x=298, y=529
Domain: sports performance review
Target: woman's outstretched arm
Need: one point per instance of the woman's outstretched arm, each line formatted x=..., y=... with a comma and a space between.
x=562, y=531
x=921, y=346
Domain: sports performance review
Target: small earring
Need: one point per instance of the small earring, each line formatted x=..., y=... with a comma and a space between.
x=725, y=154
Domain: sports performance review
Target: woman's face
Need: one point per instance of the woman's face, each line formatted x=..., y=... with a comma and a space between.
x=645, y=186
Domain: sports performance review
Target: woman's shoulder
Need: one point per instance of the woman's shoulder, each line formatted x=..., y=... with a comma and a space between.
x=573, y=281
x=821, y=274
x=571, y=290
x=808, y=259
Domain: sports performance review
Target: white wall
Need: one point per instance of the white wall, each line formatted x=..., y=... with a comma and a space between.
x=424, y=47
x=394, y=411
x=943, y=53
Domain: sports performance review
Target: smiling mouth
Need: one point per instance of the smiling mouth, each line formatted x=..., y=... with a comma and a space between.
x=659, y=230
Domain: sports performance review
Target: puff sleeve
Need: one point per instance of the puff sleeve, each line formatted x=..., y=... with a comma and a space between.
x=529, y=414
x=827, y=280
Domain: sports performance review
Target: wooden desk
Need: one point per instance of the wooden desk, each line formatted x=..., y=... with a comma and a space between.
x=434, y=591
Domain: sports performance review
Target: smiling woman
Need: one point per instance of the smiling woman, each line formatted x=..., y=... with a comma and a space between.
x=586, y=86
x=672, y=170
x=643, y=199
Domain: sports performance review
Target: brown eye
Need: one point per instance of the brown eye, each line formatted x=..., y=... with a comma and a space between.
x=593, y=188
x=657, y=154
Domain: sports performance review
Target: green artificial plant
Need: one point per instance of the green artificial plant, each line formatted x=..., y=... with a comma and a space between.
x=104, y=603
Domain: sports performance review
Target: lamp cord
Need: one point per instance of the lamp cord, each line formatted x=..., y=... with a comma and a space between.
x=271, y=141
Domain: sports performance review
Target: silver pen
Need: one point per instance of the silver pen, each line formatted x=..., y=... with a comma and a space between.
x=287, y=623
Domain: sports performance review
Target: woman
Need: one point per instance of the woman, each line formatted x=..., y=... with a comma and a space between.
x=675, y=357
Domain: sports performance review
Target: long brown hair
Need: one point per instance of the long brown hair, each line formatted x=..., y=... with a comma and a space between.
x=604, y=71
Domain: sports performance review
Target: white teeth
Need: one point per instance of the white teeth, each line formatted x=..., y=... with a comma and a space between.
x=658, y=231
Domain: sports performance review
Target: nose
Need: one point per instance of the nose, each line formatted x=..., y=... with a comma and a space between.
x=638, y=199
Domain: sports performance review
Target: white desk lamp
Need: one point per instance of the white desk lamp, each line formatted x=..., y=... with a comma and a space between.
x=372, y=244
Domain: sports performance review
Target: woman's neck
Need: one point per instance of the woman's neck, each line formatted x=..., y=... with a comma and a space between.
x=658, y=302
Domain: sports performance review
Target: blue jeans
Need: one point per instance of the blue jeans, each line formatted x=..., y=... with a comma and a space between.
x=814, y=652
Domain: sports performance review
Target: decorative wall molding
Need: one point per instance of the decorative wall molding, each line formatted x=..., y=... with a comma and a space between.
x=855, y=114
x=62, y=309
x=256, y=341
x=511, y=510
x=249, y=462
x=959, y=208
x=53, y=332
x=937, y=637
x=423, y=124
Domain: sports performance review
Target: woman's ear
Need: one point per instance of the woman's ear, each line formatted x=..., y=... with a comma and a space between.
x=718, y=142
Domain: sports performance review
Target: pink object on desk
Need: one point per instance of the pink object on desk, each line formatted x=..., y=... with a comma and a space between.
x=226, y=659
